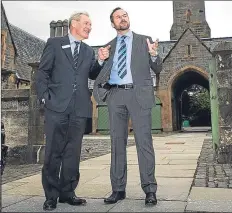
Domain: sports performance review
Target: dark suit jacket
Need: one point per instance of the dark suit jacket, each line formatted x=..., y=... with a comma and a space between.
x=56, y=74
x=140, y=69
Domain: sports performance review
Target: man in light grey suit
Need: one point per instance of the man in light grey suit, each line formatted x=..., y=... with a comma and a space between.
x=125, y=84
x=62, y=84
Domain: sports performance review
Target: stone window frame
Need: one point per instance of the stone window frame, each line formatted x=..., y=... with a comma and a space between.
x=12, y=56
x=12, y=52
x=188, y=51
x=3, y=47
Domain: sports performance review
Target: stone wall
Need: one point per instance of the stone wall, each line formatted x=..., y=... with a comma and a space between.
x=14, y=109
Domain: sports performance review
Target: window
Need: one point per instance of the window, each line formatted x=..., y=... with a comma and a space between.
x=3, y=48
x=2, y=37
x=189, y=50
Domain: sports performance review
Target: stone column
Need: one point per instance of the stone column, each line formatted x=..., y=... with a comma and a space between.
x=36, y=120
x=65, y=27
x=52, y=29
x=59, y=28
x=223, y=54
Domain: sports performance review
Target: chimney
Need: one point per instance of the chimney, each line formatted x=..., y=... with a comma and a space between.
x=59, y=30
x=52, y=29
x=65, y=27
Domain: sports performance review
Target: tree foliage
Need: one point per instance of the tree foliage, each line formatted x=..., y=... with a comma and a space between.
x=197, y=108
x=199, y=101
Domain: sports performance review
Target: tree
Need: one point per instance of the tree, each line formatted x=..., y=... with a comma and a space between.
x=199, y=106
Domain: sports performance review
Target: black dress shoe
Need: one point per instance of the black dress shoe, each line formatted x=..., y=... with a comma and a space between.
x=150, y=199
x=115, y=197
x=74, y=201
x=49, y=205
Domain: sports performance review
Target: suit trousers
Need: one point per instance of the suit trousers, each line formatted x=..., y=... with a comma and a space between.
x=122, y=104
x=64, y=133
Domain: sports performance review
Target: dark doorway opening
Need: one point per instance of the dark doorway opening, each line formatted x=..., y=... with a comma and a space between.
x=191, y=102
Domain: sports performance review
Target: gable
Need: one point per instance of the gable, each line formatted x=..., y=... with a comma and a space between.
x=188, y=41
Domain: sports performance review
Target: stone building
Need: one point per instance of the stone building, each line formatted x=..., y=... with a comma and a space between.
x=185, y=58
x=18, y=48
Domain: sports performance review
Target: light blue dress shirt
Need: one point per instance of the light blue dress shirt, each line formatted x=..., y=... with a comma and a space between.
x=114, y=78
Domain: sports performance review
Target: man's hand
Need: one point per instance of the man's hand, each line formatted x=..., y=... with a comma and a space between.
x=103, y=53
x=153, y=48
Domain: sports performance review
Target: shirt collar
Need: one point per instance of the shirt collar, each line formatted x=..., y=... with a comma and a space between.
x=128, y=34
x=72, y=39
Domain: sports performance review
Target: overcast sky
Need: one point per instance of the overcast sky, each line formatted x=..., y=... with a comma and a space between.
x=153, y=18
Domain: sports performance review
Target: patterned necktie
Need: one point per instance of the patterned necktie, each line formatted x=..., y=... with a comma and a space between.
x=75, y=54
x=122, y=58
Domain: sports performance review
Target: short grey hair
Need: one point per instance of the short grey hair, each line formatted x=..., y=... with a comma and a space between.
x=76, y=16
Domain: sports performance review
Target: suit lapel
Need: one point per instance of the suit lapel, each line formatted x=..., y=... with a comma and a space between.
x=67, y=51
x=109, y=63
x=113, y=47
x=135, y=44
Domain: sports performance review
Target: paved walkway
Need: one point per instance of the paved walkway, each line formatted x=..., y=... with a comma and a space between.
x=176, y=162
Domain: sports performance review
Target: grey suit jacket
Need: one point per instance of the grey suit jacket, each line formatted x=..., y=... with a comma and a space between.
x=56, y=74
x=140, y=67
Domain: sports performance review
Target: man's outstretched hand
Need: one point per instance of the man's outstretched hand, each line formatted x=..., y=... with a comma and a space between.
x=153, y=48
x=103, y=53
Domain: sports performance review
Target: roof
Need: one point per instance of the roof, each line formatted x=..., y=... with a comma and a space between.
x=213, y=42
x=223, y=46
x=29, y=49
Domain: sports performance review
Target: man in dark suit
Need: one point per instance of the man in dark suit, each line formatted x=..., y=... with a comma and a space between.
x=62, y=84
x=125, y=84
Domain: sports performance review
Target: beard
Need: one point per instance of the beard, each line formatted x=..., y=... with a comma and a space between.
x=123, y=26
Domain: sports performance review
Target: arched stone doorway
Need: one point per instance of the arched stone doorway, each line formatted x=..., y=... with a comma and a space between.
x=179, y=86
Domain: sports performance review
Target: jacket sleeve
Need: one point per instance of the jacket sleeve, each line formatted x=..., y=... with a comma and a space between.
x=95, y=68
x=156, y=64
x=45, y=69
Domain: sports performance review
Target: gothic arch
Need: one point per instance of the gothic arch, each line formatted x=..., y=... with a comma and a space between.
x=183, y=70
x=174, y=82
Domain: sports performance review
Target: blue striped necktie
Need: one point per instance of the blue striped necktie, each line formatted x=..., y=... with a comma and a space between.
x=122, y=58
x=76, y=54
